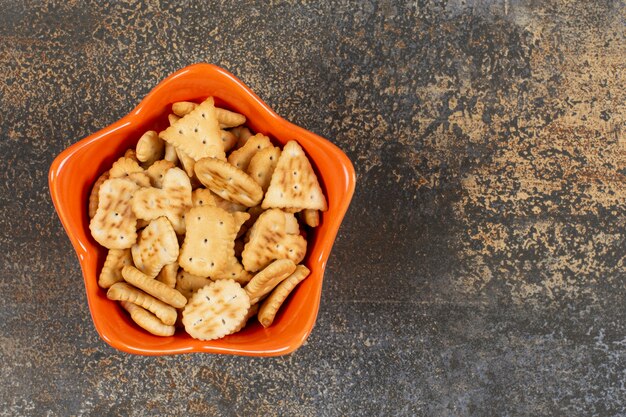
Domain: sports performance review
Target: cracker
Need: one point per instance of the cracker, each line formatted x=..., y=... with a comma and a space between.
x=197, y=133
x=168, y=274
x=172, y=119
x=243, y=134
x=275, y=235
x=228, y=119
x=229, y=206
x=262, y=165
x=112, y=269
x=186, y=161
x=123, y=167
x=202, y=197
x=130, y=153
x=240, y=219
x=114, y=224
x=171, y=201
x=182, y=108
x=233, y=270
x=147, y=320
x=93, y=197
x=170, y=153
x=209, y=242
x=156, y=247
x=294, y=183
x=242, y=156
x=153, y=287
x=216, y=310
x=229, y=140
x=272, y=304
x=121, y=291
x=228, y=182
x=311, y=217
x=266, y=280
x=157, y=170
x=252, y=311
x=187, y=284
x=150, y=147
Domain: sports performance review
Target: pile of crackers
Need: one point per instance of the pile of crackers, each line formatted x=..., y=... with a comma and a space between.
x=204, y=223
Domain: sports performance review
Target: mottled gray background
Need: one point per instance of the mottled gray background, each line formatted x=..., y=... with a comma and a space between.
x=481, y=267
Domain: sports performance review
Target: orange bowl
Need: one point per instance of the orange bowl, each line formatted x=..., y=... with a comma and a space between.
x=74, y=171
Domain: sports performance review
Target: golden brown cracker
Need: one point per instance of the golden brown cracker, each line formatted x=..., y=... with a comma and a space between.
x=186, y=162
x=228, y=182
x=271, y=305
x=182, y=108
x=275, y=235
x=241, y=157
x=187, y=284
x=243, y=134
x=114, y=224
x=216, y=310
x=229, y=206
x=112, y=269
x=149, y=148
x=172, y=119
x=153, y=287
x=147, y=320
x=156, y=247
x=311, y=217
x=228, y=139
x=262, y=166
x=197, y=133
x=209, y=242
x=123, y=167
x=130, y=153
x=252, y=311
x=294, y=183
x=268, y=278
x=168, y=274
x=171, y=201
x=156, y=171
x=93, y=197
x=121, y=291
x=170, y=154
x=202, y=197
x=228, y=119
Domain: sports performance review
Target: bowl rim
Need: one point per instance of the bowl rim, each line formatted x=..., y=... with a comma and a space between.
x=57, y=166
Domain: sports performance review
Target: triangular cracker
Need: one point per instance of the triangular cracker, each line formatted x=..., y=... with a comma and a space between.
x=197, y=133
x=294, y=183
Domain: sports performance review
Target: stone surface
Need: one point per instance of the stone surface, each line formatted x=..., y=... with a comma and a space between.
x=480, y=269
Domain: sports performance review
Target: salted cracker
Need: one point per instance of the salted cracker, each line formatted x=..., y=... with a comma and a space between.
x=197, y=133
x=225, y=118
x=268, y=278
x=112, y=269
x=262, y=165
x=228, y=182
x=114, y=224
x=209, y=242
x=187, y=284
x=149, y=147
x=157, y=170
x=294, y=183
x=271, y=305
x=275, y=235
x=171, y=200
x=93, y=197
x=216, y=310
x=123, y=167
x=156, y=247
x=202, y=197
x=242, y=156
x=147, y=320
x=121, y=291
x=153, y=287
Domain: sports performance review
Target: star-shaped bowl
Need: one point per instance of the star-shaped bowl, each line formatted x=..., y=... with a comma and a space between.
x=74, y=171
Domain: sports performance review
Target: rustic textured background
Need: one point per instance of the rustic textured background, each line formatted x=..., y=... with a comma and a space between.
x=481, y=267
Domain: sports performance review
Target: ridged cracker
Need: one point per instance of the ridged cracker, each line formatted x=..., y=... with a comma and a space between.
x=156, y=247
x=209, y=242
x=93, y=197
x=153, y=287
x=242, y=156
x=150, y=148
x=268, y=278
x=262, y=165
x=114, y=224
x=121, y=291
x=294, y=183
x=197, y=133
x=275, y=235
x=216, y=310
x=147, y=320
x=228, y=182
x=272, y=304
x=112, y=269
x=171, y=201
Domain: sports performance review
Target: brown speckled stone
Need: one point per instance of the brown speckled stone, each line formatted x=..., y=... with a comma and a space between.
x=480, y=270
